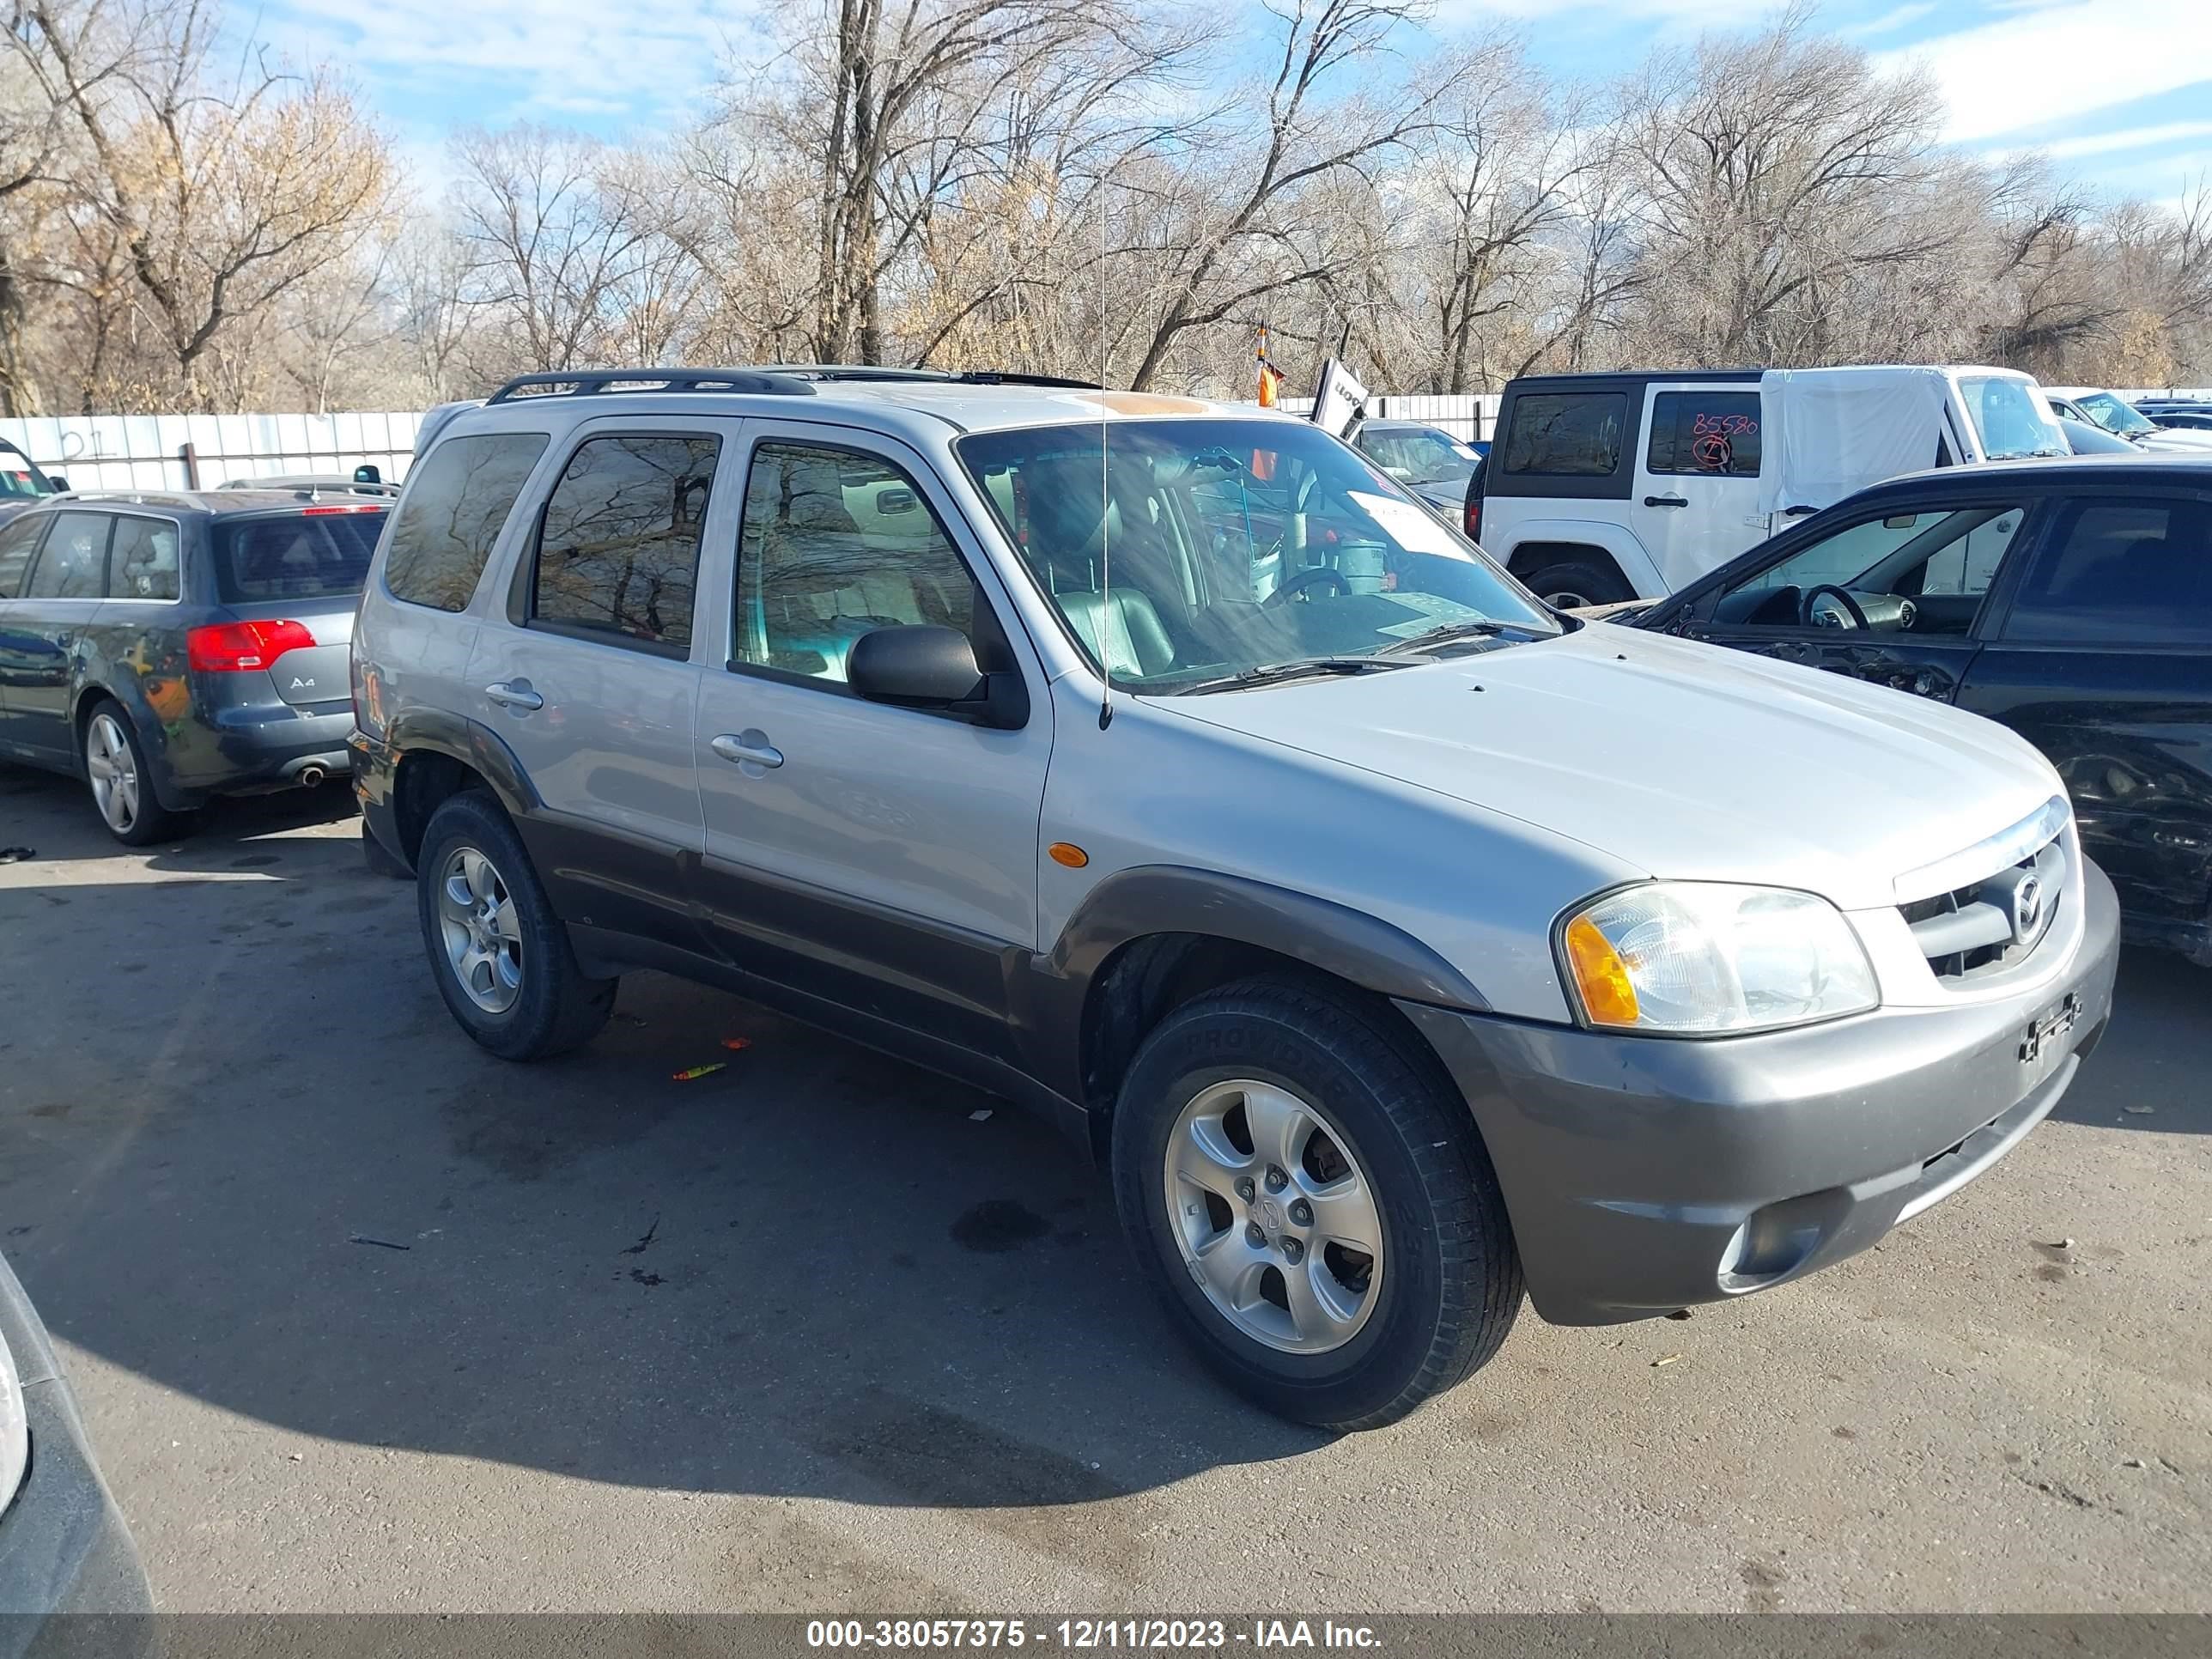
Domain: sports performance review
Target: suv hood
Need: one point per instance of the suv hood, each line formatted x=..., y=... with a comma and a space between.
x=1683, y=760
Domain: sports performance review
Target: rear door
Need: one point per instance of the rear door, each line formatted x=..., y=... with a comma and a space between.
x=2103, y=659
x=1919, y=572
x=589, y=676
x=19, y=544
x=45, y=629
x=1696, y=492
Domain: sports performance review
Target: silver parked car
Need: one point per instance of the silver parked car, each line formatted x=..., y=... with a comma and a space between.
x=65, y=1549
x=1165, y=766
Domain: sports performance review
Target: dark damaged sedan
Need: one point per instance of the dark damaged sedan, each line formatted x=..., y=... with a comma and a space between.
x=2069, y=599
x=169, y=647
x=63, y=1548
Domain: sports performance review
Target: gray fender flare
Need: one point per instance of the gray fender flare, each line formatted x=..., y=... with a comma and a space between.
x=1154, y=899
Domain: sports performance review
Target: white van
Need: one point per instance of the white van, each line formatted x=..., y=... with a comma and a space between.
x=1602, y=488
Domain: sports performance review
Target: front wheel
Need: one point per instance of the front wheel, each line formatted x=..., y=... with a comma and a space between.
x=500, y=955
x=1314, y=1205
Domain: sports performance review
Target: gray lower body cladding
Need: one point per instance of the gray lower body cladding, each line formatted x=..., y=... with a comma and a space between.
x=1645, y=1174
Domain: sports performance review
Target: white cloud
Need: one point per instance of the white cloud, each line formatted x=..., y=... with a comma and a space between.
x=1892, y=20
x=510, y=59
x=2058, y=61
x=2109, y=144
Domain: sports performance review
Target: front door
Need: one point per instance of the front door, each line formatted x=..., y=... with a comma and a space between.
x=589, y=676
x=1892, y=597
x=1696, y=491
x=2103, y=659
x=882, y=858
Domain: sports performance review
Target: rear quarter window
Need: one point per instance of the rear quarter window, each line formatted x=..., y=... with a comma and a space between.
x=458, y=499
x=294, y=555
x=1565, y=434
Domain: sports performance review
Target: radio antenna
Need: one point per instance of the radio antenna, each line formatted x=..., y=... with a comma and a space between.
x=1105, y=499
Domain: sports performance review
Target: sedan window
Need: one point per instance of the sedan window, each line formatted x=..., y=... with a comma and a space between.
x=2120, y=572
x=1942, y=560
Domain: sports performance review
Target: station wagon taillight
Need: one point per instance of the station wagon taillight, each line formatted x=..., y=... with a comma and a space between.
x=239, y=647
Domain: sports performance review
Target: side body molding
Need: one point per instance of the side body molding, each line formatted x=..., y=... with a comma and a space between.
x=1047, y=1001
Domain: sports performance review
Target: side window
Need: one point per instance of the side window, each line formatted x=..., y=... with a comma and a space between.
x=1926, y=556
x=457, y=501
x=836, y=544
x=619, y=550
x=73, y=565
x=1715, y=433
x=2122, y=573
x=1566, y=435
x=16, y=542
x=143, y=562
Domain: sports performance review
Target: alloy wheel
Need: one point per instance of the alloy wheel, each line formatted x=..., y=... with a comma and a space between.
x=1276, y=1224
x=113, y=771
x=483, y=935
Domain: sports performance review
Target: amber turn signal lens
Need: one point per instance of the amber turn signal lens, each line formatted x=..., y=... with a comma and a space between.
x=1600, y=976
x=1067, y=853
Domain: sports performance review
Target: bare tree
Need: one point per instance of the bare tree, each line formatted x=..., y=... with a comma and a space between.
x=548, y=243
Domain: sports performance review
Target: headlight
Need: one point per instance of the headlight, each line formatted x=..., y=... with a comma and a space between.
x=1706, y=958
x=15, y=1433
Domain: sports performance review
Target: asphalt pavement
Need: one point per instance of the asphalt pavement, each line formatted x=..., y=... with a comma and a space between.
x=362, y=1319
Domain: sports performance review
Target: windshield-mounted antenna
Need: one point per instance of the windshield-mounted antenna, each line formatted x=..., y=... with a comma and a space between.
x=1105, y=499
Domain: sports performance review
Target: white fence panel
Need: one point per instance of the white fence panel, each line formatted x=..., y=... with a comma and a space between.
x=183, y=451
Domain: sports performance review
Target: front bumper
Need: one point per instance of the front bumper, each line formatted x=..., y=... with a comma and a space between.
x=64, y=1547
x=1644, y=1175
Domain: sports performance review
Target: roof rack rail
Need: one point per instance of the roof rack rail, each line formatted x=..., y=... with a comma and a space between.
x=836, y=372
x=582, y=382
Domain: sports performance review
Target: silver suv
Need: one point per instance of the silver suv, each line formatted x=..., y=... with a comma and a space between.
x=1165, y=766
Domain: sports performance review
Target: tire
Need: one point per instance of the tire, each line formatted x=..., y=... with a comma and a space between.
x=533, y=1001
x=120, y=784
x=1564, y=583
x=1445, y=1287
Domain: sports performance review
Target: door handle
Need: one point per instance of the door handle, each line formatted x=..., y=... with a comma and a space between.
x=751, y=749
x=1666, y=501
x=513, y=697
x=1798, y=512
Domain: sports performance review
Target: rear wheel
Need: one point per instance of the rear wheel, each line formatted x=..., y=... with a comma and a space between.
x=122, y=790
x=1314, y=1206
x=502, y=958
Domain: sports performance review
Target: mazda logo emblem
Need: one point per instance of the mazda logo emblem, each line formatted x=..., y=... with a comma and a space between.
x=2026, y=908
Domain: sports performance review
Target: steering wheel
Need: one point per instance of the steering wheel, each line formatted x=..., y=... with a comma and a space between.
x=1308, y=579
x=1858, y=618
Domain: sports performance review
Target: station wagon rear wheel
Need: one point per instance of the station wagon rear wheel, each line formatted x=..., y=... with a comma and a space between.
x=1310, y=1198
x=115, y=771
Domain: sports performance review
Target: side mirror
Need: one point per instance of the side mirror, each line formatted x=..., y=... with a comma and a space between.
x=924, y=667
x=367, y=473
x=61, y=484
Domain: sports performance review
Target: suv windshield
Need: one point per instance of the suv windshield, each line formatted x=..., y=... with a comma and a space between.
x=2010, y=419
x=2112, y=413
x=308, y=555
x=1237, y=548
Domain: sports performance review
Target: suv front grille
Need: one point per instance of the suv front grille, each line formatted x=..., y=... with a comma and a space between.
x=1994, y=922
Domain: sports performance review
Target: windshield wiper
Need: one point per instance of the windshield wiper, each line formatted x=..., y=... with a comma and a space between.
x=1452, y=632
x=1271, y=673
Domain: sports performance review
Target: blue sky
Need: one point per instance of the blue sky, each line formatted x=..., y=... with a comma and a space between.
x=2120, y=91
